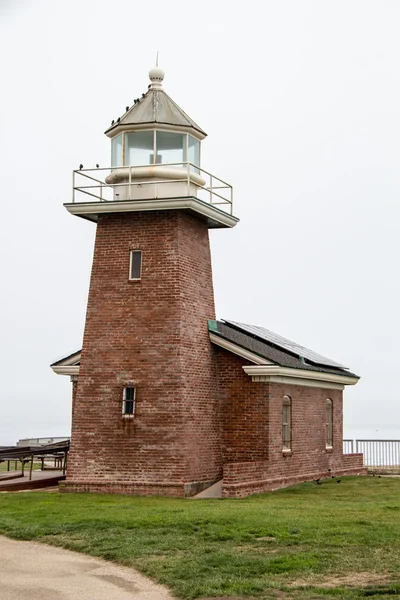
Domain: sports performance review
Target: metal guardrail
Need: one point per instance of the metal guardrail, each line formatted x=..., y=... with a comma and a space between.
x=43, y=441
x=377, y=453
x=348, y=447
x=216, y=191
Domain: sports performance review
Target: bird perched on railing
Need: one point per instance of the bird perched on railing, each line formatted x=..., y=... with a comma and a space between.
x=97, y=166
x=80, y=167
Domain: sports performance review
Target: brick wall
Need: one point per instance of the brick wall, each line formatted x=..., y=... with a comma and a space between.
x=252, y=432
x=151, y=334
x=74, y=381
x=198, y=415
x=244, y=411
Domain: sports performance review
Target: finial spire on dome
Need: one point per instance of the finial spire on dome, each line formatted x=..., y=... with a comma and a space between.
x=156, y=75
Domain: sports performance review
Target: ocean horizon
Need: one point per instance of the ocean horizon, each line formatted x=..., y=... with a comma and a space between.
x=350, y=433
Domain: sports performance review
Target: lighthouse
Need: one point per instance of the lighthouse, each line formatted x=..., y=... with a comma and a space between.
x=166, y=398
x=145, y=414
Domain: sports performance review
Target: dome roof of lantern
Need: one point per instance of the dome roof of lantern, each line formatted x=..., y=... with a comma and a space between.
x=155, y=107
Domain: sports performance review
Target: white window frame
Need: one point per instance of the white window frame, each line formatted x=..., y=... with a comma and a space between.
x=124, y=401
x=329, y=423
x=130, y=265
x=287, y=424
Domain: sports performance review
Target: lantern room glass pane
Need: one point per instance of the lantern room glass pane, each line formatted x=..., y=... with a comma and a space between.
x=116, y=151
x=171, y=147
x=139, y=148
x=194, y=151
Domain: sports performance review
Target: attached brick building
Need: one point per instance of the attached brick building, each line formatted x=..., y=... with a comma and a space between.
x=167, y=400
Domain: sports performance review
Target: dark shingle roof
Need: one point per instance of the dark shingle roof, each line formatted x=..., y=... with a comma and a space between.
x=268, y=350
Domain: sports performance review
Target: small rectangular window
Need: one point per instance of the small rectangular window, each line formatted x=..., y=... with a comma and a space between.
x=135, y=265
x=128, y=402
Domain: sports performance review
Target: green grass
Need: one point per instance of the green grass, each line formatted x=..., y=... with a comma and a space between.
x=288, y=544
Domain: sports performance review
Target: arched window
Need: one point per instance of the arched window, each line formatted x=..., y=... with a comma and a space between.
x=287, y=423
x=329, y=423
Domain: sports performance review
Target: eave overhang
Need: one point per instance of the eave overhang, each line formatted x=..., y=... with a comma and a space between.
x=215, y=217
x=151, y=125
x=69, y=365
x=238, y=350
x=66, y=370
x=277, y=374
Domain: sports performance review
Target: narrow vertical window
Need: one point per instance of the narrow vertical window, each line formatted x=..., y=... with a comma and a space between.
x=128, y=401
x=135, y=265
x=287, y=423
x=329, y=423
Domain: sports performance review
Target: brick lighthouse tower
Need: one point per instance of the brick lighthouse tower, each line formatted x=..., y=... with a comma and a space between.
x=145, y=410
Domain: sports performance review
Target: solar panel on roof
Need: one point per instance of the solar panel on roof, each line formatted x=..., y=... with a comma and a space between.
x=285, y=344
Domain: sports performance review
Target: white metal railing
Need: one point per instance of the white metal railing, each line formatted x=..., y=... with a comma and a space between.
x=377, y=453
x=215, y=191
x=348, y=447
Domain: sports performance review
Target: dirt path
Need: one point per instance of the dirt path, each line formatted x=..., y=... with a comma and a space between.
x=31, y=571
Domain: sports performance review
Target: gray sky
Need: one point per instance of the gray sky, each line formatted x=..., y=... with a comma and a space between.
x=300, y=99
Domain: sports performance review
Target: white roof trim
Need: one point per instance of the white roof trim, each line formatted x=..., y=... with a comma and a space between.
x=231, y=347
x=66, y=370
x=116, y=206
x=301, y=377
x=119, y=128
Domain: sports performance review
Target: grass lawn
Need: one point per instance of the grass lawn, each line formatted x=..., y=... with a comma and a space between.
x=305, y=542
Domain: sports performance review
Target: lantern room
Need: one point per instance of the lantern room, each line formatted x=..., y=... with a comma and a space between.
x=155, y=165
x=156, y=142
x=153, y=147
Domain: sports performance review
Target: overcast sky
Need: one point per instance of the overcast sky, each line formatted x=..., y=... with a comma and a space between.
x=300, y=99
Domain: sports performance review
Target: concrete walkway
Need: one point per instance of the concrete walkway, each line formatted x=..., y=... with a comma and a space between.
x=31, y=571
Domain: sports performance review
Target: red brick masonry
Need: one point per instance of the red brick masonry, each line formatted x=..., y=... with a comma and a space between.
x=254, y=460
x=151, y=334
x=199, y=418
